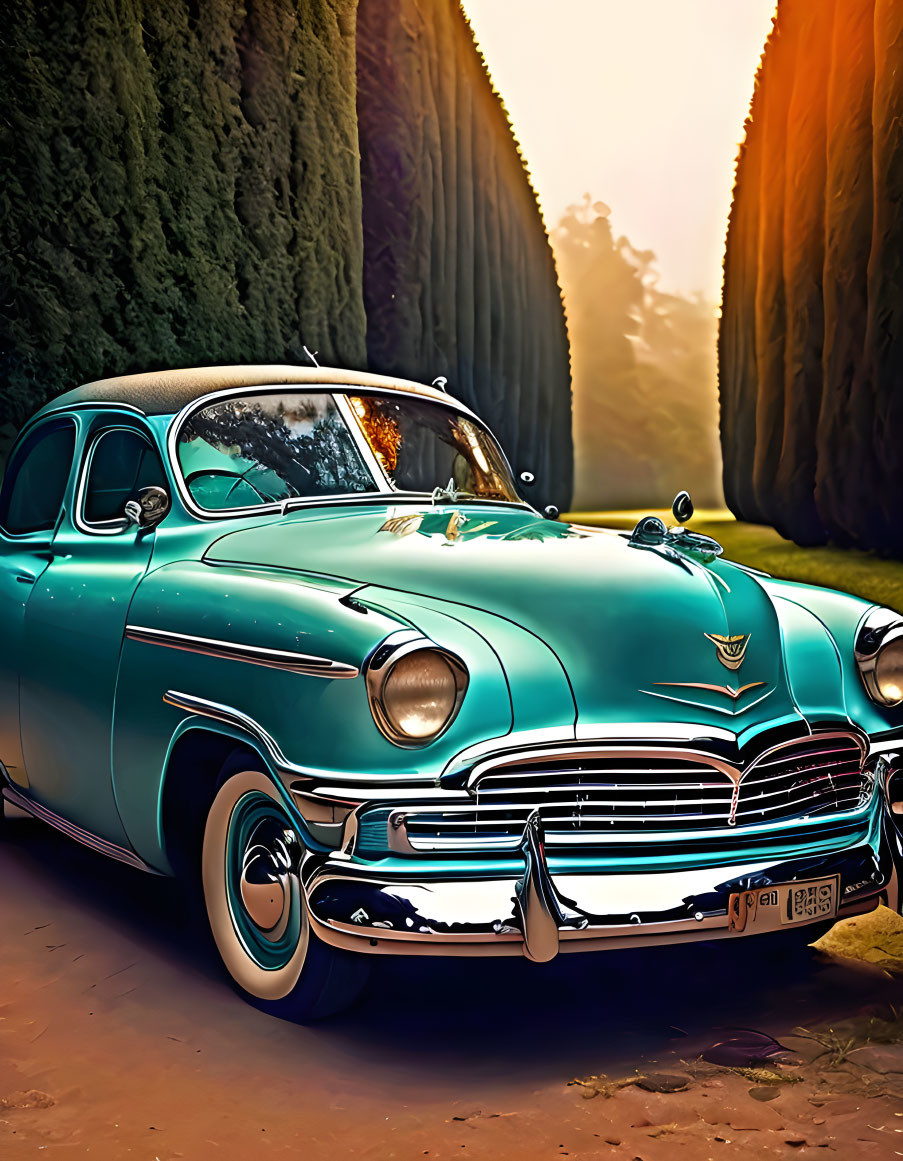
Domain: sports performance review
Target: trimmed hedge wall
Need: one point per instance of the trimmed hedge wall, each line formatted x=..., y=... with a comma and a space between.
x=811, y=340
x=182, y=186
x=459, y=278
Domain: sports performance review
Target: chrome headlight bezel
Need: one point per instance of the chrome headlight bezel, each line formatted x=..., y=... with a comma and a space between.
x=881, y=629
x=378, y=670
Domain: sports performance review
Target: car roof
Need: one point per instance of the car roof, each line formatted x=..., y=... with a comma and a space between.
x=166, y=392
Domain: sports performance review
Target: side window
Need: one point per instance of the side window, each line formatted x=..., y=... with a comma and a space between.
x=36, y=479
x=122, y=463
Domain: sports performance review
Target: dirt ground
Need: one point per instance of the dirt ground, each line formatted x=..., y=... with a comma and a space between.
x=120, y=1039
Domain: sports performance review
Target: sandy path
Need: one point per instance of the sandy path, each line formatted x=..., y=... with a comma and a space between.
x=119, y=1039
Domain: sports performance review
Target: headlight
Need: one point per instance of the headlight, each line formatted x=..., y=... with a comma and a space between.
x=879, y=655
x=889, y=672
x=415, y=688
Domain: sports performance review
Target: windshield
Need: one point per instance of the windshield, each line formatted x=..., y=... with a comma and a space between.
x=262, y=449
x=267, y=448
x=422, y=446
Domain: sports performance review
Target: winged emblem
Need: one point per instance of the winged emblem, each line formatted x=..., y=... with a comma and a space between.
x=730, y=650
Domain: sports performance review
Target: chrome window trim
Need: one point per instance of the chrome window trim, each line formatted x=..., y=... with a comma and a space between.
x=366, y=452
x=82, y=405
x=47, y=533
x=106, y=527
x=286, y=659
x=337, y=390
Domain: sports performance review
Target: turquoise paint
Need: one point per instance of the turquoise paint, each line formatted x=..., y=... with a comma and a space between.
x=561, y=629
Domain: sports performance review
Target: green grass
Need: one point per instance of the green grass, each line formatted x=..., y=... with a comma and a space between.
x=861, y=573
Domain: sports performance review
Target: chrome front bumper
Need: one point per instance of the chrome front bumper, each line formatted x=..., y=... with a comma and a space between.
x=539, y=914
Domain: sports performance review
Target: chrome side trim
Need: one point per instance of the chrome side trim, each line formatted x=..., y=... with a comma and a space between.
x=85, y=837
x=252, y=654
x=235, y=718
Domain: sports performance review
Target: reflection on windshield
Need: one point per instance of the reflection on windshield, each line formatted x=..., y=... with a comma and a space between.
x=262, y=449
x=422, y=446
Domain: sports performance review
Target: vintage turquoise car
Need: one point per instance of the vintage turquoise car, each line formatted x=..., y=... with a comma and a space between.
x=293, y=634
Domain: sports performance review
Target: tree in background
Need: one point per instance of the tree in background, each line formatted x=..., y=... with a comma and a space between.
x=459, y=278
x=811, y=338
x=643, y=364
x=182, y=186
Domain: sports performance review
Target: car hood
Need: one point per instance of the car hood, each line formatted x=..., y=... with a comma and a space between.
x=632, y=629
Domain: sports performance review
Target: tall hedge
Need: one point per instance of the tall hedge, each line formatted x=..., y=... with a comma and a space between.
x=811, y=338
x=182, y=186
x=459, y=278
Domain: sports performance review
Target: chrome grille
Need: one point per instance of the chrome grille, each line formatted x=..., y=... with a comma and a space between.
x=592, y=795
x=804, y=778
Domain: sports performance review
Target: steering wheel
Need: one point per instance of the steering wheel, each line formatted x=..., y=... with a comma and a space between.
x=237, y=476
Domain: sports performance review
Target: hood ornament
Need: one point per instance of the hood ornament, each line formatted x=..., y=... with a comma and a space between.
x=672, y=543
x=730, y=650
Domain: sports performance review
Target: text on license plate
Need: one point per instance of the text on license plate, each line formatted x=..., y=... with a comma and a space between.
x=816, y=900
x=804, y=902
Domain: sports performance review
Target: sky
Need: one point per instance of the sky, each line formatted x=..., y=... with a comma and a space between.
x=640, y=103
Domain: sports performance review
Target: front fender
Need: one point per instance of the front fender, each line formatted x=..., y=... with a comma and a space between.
x=322, y=724
x=816, y=623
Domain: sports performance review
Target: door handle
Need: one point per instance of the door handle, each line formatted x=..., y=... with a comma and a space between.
x=25, y=578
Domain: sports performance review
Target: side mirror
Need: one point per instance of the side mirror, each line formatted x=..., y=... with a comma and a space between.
x=682, y=507
x=527, y=479
x=550, y=512
x=149, y=509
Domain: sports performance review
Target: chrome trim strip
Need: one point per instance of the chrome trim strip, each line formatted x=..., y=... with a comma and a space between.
x=728, y=690
x=117, y=525
x=252, y=654
x=702, y=705
x=377, y=471
x=474, y=845
x=81, y=405
x=640, y=733
x=526, y=757
x=233, y=717
x=85, y=837
x=654, y=731
x=334, y=389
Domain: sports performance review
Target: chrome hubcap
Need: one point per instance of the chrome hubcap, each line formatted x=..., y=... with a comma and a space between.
x=268, y=865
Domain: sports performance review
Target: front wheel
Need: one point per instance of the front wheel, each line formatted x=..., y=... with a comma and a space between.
x=256, y=908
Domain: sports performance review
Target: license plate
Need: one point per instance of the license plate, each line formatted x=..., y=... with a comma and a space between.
x=766, y=907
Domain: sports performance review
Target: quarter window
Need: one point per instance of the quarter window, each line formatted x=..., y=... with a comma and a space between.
x=122, y=463
x=36, y=479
